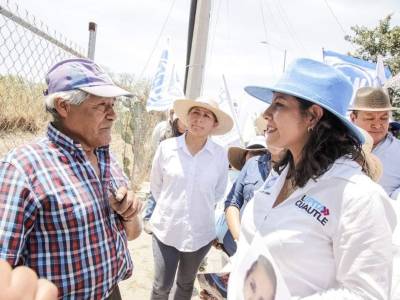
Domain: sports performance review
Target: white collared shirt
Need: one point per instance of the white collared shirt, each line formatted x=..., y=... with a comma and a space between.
x=186, y=189
x=331, y=239
x=388, y=151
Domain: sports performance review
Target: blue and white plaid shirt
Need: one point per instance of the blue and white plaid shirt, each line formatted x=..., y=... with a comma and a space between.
x=55, y=216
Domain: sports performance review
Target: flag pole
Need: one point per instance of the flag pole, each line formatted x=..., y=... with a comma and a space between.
x=284, y=61
x=234, y=115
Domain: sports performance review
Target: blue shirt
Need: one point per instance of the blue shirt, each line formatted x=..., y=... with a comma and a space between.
x=251, y=177
x=388, y=151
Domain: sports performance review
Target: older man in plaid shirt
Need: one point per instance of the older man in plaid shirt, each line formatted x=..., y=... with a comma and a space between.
x=65, y=209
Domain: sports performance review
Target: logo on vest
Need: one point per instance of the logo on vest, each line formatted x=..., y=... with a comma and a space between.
x=314, y=208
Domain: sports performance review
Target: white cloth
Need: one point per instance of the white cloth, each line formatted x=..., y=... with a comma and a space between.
x=396, y=259
x=159, y=133
x=388, y=152
x=186, y=189
x=331, y=239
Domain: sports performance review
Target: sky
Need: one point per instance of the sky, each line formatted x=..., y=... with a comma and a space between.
x=247, y=39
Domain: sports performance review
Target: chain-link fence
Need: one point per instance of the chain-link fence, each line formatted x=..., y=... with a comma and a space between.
x=28, y=48
x=135, y=126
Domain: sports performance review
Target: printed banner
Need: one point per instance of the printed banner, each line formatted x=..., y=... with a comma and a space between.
x=256, y=275
x=360, y=72
x=166, y=86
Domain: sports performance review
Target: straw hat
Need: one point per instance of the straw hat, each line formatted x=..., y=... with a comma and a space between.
x=236, y=155
x=374, y=165
x=183, y=106
x=371, y=99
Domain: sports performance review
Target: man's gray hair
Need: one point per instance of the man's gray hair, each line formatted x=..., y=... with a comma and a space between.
x=74, y=97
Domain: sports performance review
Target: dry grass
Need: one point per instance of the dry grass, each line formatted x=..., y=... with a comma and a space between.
x=21, y=105
x=135, y=128
x=23, y=117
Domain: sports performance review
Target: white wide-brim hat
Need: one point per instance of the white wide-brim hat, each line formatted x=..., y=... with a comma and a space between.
x=236, y=155
x=183, y=106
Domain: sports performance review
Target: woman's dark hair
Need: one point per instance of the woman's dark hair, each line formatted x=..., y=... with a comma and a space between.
x=329, y=140
x=257, y=153
x=260, y=152
x=175, y=128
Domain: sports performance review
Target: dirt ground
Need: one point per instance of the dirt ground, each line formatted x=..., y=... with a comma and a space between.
x=138, y=287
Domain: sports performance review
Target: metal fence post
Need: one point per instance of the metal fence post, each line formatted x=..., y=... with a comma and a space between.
x=92, y=40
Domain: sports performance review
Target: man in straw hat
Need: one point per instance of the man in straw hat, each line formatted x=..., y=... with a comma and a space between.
x=371, y=111
x=65, y=206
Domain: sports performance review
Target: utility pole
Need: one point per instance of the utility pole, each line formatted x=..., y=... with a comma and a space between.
x=197, y=47
x=92, y=40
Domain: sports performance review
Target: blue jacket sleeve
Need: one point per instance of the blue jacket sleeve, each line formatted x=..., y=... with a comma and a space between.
x=235, y=195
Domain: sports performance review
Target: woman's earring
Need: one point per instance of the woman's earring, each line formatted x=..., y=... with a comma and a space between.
x=309, y=129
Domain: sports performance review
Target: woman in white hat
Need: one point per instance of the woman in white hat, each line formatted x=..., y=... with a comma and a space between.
x=326, y=224
x=189, y=174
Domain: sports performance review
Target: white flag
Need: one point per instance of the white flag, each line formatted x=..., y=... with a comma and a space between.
x=166, y=86
x=231, y=107
x=380, y=72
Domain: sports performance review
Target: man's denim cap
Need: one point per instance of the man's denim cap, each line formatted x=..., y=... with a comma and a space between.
x=82, y=74
x=316, y=82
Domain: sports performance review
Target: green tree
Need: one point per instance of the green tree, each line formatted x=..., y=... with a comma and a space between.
x=381, y=40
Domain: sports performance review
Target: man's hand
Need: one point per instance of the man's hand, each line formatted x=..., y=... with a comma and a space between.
x=128, y=207
x=125, y=204
x=23, y=284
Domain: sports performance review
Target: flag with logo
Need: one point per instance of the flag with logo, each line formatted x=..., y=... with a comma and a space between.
x=360, y=72
x=166, y=86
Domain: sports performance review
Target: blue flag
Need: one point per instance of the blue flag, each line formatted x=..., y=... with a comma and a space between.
x=360, y=72
x=166, y=87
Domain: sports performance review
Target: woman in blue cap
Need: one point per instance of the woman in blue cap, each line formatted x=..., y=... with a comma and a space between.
x=327, y=225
